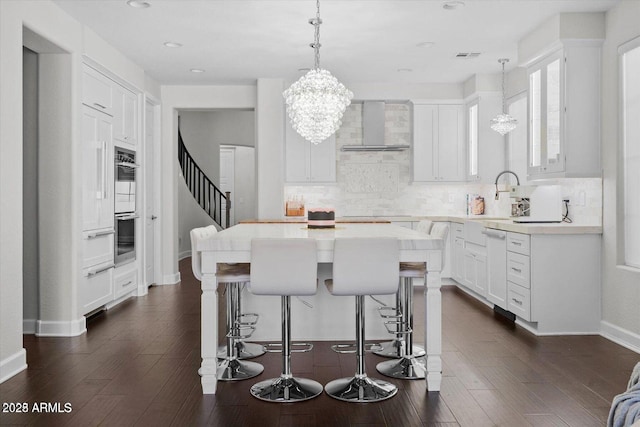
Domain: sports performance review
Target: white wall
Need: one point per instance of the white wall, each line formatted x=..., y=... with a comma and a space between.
x=30, y=179
x=620, y=286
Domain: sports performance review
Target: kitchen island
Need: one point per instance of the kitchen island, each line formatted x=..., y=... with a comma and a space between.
x=234, y=245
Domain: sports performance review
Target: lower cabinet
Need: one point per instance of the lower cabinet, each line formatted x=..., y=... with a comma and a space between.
x=551, y=282
x=125, y=283
x=475, y=269
x=96, y=288
x=457, y=252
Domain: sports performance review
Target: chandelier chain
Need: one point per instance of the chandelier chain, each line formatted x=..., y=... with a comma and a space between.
x=316, y=43
x=504, y=96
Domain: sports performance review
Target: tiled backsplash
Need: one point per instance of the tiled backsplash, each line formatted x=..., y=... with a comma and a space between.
x=379, y=183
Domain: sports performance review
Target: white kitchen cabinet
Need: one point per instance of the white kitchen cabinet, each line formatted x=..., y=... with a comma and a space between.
x=475, y=268
x=564, y=112
x=97, y=90
x=125, y=281
x=97, y=247
x=438, y=142
x=485, y=147
x=125, y=115
x=497, y=267
x=307, y=162
x=97, y=170
x=96, y=287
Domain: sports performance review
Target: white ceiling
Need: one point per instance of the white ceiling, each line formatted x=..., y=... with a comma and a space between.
x=364, y=41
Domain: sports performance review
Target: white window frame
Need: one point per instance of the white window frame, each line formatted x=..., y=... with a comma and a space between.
x=629, y=164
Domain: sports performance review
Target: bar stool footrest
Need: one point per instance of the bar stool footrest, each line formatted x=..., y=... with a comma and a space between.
x=397, y=315
x=254, y=319
x=242, y=336
x=397, y=331
x=369, y=348
x=276, y=347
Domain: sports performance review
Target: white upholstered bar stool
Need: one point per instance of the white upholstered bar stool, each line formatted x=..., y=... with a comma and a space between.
x=285, y=267
x=410, y=364
x=230, y=368
x=398, y=346
x=363, y=266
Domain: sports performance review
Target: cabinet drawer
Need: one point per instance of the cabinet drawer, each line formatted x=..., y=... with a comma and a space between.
x=518, y=270
x=457, y=230
x=96, y=288
x=97, y=247
x=97, y=90
x=519, y=243
x=519, y=301
x=125, y=283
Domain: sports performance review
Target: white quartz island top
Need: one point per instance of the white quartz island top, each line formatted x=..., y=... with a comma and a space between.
x=236, y=240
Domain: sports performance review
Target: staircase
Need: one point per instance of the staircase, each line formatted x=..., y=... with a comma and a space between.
x=215, y=203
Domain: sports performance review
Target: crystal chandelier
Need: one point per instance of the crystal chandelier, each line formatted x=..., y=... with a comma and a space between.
x=503, y=123
x=316, y=102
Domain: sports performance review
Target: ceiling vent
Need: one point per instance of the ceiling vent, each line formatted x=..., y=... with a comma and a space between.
x=468, y=55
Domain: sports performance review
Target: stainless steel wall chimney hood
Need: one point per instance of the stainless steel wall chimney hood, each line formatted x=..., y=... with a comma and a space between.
x=373, y=130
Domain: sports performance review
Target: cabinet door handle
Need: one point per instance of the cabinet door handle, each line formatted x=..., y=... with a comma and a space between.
x=104, y=169
x=100, y=270
x=516, y=269
x=127, y=284
x=100, y=233
x=516, y=301
x=496, y=234
x=100, y=105
x=516, y=243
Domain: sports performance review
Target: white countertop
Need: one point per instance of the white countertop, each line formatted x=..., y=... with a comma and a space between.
x=503, y=224
x=238, y=237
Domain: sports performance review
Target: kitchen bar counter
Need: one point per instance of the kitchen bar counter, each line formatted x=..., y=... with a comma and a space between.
x=234, y=245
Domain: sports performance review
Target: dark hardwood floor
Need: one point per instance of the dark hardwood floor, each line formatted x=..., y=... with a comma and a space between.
x=137, y=365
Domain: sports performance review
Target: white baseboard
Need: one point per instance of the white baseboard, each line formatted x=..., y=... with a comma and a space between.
x=183, y=255
x=29, y=326
x=71, y=328
x=13, y=364
x=170, y=279
x=620, y=336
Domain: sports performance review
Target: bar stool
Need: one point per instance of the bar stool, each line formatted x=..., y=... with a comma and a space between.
x=285, y=267
x=230, y=368
x=363, y=266
x=397, y=347
x=410, y=365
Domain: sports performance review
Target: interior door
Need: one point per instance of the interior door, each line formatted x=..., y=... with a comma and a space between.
x=227, y=180
x=149, y=181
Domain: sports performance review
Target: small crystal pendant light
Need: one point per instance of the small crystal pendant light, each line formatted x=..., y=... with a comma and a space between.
x=503, y=123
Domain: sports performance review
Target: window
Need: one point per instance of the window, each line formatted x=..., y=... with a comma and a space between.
x=630, y=133
x=472, y=139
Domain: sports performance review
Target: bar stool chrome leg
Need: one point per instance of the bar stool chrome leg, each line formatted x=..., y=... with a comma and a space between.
x=231, y=368
x=408, y=366
x=397, y=347
x=244, y=350
x=286, y=388
x=360, y=388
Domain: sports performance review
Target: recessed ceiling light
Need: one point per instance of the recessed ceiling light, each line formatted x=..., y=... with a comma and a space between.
x=425, y=44
x=139, y=4
x=452, y=4
x=404, y=70
x=172, y=44
x=197, y=70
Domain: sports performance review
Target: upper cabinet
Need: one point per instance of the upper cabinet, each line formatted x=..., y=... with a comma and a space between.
x=438, y=142
x=485, y=147
x=564, y=96
x=307, y=162
x=97, y=90
x=125, y=115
